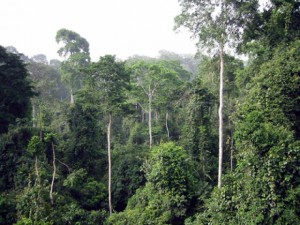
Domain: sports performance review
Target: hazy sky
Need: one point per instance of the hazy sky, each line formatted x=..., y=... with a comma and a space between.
x=120, y=27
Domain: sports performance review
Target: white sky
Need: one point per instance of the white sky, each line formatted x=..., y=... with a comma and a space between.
x=120, y=27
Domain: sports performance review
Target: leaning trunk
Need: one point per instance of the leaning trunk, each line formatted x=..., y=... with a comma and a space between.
x=53, y=175
x=109, y=163
x=220, y=112
x=167, y=127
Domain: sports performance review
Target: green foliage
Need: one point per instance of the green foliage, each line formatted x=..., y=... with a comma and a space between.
x=138, y=134
x=167, y=184
x=269, y=129
x=77, y=50
x=233, y=89
x=153, y=84
x=166, y=161
x=199, y=138
x=127, y=174
x=168, y=191
x=213, y=22
x=28, y=221
x=33, y=206
x=151, y=78
x=52, y=91
x=188, y=62
x=35, y=146
x=47, y=81
x=85, y=143
x=7, y=208
x=110, y=79
x=14, y=161
x=279, y=81
x=264, y=187
x=71, y=70
x=75, y=178
x=15, y=90
x=89, y=193
x=198, y=133
x=147, y=207
x=74, y=43
x=50, y=137
x=276, y=24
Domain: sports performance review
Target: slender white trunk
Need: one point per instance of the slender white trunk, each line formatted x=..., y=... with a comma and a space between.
x=150, y=119
x=168, y=132
x=53, y=175
x=231, y=155
x=231, y=147
x=37, y=181
x=203, y=162
x=220, y=111
x=109, y=163
x=33, y=115
x=72, y=97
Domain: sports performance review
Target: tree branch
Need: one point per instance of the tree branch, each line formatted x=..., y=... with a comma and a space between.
x=69, y=169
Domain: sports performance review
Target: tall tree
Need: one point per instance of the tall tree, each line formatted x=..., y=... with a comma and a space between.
x=208, y=72
x=213, y=23
x=15, y=89
x=76, y=52
x=110, y=79
x=168, y=93
x=149, y=80
x=266, y=182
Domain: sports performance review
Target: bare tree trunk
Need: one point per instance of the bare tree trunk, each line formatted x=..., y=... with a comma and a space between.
x=231, y=150
x=150, y=118
x=33, y=115
x=109, y=162
x=72, y=97
x=220, y=111
x=69, y=169
x=37, y=181
x=231, y=155
x=168, y=132
x=54, y=173
x=203, y=163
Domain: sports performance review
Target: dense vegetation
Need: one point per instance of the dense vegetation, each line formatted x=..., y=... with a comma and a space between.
x=138, y=141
